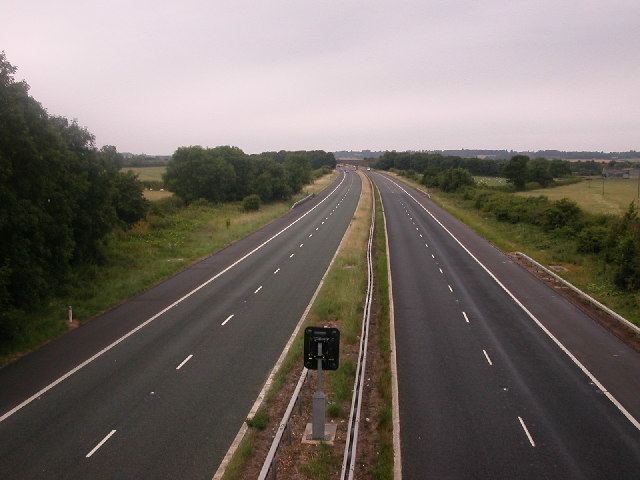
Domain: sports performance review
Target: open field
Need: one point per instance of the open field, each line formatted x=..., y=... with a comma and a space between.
x=147, y=173
x=490, y=181
x=151, y=251
x=155, y=195
x=618, y=193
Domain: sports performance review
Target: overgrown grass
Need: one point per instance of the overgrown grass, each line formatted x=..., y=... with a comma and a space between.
x=322, y=465
x=241, y=455
x=169, y=240
x=584, y=271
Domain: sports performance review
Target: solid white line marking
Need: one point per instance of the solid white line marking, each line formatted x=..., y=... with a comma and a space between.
x=184, y=361
x=524, y=427
x=40, y=392
x=101, y=443
x=228, y=318
x=465, y=317
x=573, y=358
x=487, y=356
x=276, y=271
x=440, y=269
x=258, y=289
x=450, y=289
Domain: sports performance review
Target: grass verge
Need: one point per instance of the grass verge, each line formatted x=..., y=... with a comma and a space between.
x=168, y=241
x=382, y=469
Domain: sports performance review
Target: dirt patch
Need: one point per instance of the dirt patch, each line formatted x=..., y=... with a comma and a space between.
x=623, y=332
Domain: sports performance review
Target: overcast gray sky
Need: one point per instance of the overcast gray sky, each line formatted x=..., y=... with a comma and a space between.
x=149, y=76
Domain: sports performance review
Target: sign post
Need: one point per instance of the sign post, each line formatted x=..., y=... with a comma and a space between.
x=321, y=352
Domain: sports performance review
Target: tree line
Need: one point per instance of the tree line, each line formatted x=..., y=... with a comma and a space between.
x=59, y=198
x=226, y=173
x=451, y=173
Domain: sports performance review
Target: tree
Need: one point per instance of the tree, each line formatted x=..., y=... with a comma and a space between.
x=454, y=179
x=516, y=171
x=195, y=172
x=59, y=199
x=539, y=171
x=559, y=168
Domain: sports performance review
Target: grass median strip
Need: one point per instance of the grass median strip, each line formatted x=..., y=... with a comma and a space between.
x=169, y=240
x=339, y=304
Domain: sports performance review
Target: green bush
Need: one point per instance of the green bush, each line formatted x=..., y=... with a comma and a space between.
x=251, y=202
x=592, y=239
x=454, y=179
x=562, y=213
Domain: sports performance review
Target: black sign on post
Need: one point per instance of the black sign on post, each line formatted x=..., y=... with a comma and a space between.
x=330, y=340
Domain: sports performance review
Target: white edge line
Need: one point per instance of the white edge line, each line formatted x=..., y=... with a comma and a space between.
x=486, y=355
x=526, y=430
x=395, y=395
x=228, y=318
x=184, y=361
x=243, y=429
x=465, y=317
x=573, y=358
x=258, y=289
x=102, y=442
x=167, y=308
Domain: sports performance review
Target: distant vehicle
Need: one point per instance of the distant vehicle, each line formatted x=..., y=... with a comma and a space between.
x=368, y=168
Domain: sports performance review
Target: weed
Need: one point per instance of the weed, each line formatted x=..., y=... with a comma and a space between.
x=322, y=464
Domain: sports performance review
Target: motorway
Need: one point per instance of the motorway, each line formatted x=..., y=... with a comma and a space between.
x=159, y=386
x=484, y=390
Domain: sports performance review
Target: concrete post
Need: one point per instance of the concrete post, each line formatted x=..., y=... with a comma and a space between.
x=319, y=403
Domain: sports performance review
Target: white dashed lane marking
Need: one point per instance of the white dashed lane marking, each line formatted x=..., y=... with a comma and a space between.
x=184, y=361
x=102, y=442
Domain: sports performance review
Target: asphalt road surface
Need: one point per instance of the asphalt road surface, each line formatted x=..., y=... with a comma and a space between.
x=484, y=391
x=167, y=400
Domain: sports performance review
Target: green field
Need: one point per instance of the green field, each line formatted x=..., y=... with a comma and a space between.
x=618, y=193
x=147, y=173
x=490, y=181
